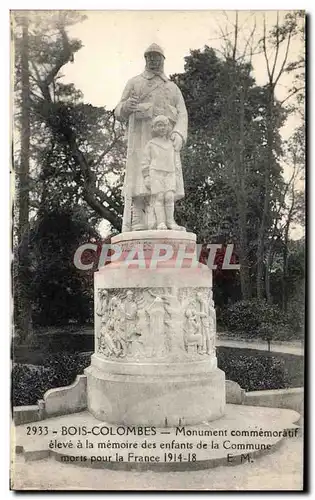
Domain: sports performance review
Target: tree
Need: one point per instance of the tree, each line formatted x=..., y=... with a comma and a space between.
x=22, y=311
x=224, y=160
x=240, y=83
x=87, y=138
x=280, y=36
x=63, y=178
x=294, y=209
x=59, y=291
x=294, y=25
x=71, y=152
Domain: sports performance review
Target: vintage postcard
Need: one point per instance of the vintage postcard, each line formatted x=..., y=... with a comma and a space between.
x=158, y=226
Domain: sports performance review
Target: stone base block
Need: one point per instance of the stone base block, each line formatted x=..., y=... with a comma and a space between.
x=153, y=400
x=67, y=399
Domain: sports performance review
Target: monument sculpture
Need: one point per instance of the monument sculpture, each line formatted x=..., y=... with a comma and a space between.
x=146, y=97
x=154, y=359
x=154, y=394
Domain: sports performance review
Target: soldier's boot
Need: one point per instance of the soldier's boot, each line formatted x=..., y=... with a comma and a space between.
x=138, y=215
x=170, y=222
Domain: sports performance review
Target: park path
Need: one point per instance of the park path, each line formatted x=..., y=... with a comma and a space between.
x=223, y=340
x=285, y=347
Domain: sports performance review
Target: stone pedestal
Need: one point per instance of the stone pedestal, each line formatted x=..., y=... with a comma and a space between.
x=154, y=360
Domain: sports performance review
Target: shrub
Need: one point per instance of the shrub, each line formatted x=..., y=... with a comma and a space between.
x=256, y=318
x=29, y=382
x=254, y=372
x=251, y=370
x=66, y=367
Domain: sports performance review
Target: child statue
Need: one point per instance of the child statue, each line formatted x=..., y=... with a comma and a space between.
x=162, y=174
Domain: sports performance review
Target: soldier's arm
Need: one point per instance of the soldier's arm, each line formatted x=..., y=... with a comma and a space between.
x=121, y=112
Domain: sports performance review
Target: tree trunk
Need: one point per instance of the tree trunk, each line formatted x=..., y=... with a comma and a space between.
x=241, y=198
x=266, y=206
x=285, y=258
x=284, y=277
x=244, y=277
x=269, y=260
x=23, y=267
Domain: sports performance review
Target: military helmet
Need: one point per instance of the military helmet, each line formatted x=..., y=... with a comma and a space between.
x=154, y=47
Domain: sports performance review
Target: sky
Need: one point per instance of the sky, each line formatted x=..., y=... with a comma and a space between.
x=114, y=43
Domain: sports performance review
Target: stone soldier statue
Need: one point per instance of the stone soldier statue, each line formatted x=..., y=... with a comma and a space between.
x=145, y=97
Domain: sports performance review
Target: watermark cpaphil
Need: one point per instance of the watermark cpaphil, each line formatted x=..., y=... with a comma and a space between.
x=92, y=256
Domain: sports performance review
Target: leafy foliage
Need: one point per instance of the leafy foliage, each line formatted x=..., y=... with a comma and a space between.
x=60, y=292
x=251, y=371
x=254, y=372
x=225, y=159
x=77, y=149
x=256, y=318
x=30, y=382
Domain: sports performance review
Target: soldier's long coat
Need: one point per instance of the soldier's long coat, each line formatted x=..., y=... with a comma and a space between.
x=157, y=96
